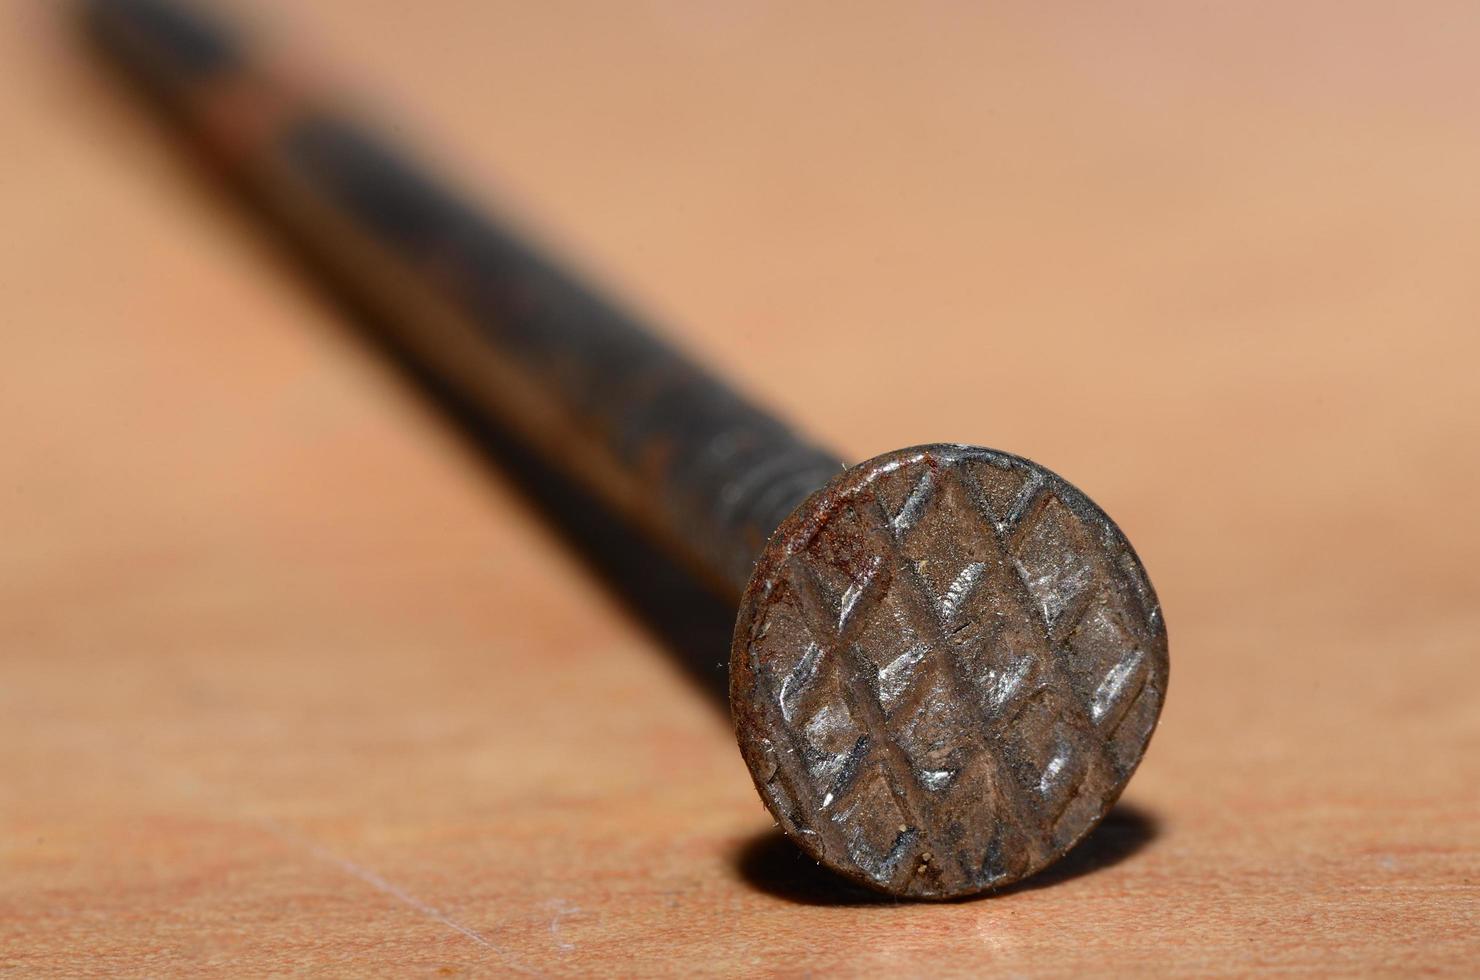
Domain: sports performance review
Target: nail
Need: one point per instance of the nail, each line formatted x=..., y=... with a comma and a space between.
x=947, y=661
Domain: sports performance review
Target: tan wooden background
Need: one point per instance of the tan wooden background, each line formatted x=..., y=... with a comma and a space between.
x=292, y=679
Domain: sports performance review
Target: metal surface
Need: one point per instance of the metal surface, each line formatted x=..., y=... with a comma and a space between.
x=947, y=661
x=947, y=666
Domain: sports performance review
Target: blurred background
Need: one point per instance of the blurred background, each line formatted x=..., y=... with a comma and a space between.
x=291, y=677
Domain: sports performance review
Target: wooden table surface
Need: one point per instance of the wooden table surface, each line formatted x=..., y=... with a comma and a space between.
x=293, y=679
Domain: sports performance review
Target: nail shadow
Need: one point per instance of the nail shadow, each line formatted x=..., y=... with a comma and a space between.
x=771, y=863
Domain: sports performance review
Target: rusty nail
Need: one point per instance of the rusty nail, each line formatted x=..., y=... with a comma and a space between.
x=947, y=661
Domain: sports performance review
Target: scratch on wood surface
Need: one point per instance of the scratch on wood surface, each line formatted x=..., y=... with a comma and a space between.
x=380, y=884
x=561, y=909
x=195, y=786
